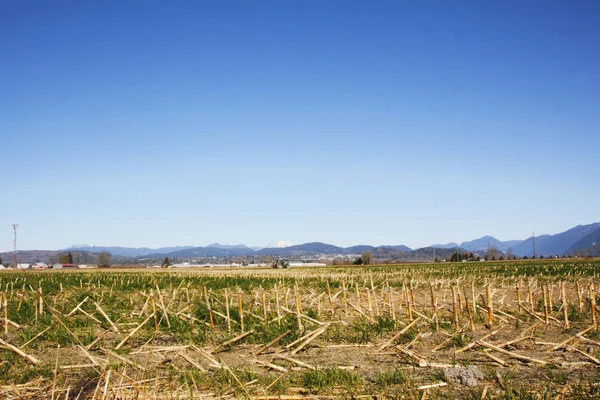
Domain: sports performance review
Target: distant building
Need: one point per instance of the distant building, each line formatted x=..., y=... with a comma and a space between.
x=188, y=265
x=39, y=266
x=307, y=264
x=70, y=266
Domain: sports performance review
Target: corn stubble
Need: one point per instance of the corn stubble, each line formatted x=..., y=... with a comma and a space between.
x=336, y=331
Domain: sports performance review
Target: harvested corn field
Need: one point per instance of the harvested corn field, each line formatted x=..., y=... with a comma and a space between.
x=465, y=330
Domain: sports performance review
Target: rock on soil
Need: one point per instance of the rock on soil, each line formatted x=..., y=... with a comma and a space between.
x=468, y=376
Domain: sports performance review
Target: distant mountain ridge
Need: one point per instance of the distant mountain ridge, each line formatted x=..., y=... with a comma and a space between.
x=127, y=251
x=589, y=241
x=483, y=242
x=560, y=243
x=399, y=247
x=221, y=250
x=208, y=251
x=450, y=245
x=229, y=246
x=581, y=237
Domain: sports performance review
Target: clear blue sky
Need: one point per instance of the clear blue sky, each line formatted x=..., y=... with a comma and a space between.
x=146, y=123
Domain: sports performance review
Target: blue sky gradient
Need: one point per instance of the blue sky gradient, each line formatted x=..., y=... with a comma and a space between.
x=146, y=123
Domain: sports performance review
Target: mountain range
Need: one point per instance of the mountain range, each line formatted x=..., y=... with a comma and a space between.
x=581, y=237
x=127, y=251
x=312, y=248
x=488, y=241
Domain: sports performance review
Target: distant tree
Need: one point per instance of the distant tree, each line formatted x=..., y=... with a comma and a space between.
x=541, y=256
x=366, y=257
x=65, y=258
x=0, y=260
x=84, y=258
x=339, y=261
x=501, y=258
x=591, y=251
x=358, y=261
x=509, y=253
x=458, y=257
x=103, y=260
x=166, y=263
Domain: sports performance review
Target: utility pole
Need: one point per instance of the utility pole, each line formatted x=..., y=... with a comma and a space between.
x=434, y=254
x=533, y=236
x=15, y=225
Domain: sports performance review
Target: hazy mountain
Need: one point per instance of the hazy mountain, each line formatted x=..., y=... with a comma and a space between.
x=279, y=244
x=400, y=247
x=51, y=256
x=219, y=250
x=229, y=246
x=577, y=238
x=359, y=249
x=510, y=243
x=561, y=243
x=127, y=251
x=304, y=249
x=450, y=245
x=28, y=256
x=482, y=244
x=324, y=248
x=199, y=252
x=589, y=241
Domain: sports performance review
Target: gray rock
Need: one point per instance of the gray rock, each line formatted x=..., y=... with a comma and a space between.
x=468, y=376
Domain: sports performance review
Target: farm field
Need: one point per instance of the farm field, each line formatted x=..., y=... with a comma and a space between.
x=498, y=330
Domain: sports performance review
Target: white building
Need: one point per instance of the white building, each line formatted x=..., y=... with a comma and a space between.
x=188, y=265
x=303, y=264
